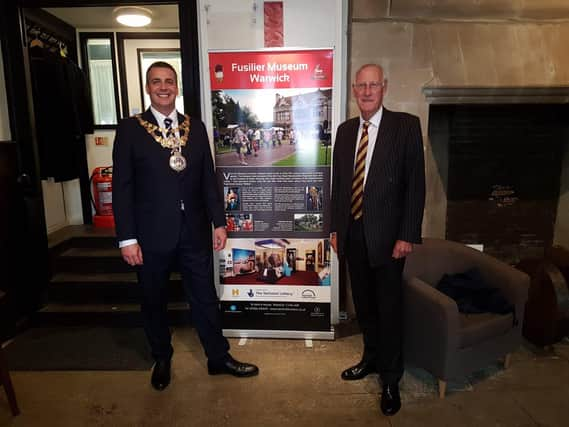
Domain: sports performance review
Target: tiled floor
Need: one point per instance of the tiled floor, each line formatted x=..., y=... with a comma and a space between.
x=298, y=386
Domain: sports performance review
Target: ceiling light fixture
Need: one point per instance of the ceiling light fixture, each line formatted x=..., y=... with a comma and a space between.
x=133, y=16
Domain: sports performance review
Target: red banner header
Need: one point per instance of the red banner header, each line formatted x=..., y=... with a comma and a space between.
x=268, y=70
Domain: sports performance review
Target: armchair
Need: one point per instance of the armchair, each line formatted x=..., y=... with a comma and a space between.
x=437, y=337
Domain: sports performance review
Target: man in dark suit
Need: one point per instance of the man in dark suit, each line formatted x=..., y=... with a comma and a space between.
x=378, y=196
x=165, y=198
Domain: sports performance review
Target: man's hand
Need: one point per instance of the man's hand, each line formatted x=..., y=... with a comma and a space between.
x=401, y=249
x=132, y=254
x=219, y=238
x=333, y=242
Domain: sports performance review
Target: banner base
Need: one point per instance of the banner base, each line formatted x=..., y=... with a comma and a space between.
x=252, y=333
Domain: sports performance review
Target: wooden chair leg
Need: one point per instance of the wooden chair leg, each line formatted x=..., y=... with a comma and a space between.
x=7, y=383
x=507, y=360
x=442, y=389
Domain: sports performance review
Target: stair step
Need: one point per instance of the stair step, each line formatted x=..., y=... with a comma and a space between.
x=94, y=242
x=92, y=260
x=92, y=252
x=92, y=285
x=94, y=278
x=81, y=236
x=81, y=288
x=117, y=315
x=103, y=278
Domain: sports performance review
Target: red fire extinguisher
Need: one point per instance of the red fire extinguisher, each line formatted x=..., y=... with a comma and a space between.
x=102, y=179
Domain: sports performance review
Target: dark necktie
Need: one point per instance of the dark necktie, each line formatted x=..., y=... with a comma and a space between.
x=359, y=175
x=168, y=125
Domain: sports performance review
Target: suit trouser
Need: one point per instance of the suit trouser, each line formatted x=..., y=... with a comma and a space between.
x=196, y=267
x=378, y=298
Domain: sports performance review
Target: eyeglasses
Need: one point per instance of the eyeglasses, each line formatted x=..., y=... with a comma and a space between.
x=372, y=86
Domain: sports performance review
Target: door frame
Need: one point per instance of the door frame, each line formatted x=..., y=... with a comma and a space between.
x=33, y=265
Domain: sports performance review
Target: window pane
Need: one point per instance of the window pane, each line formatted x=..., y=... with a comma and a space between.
x=102, y=81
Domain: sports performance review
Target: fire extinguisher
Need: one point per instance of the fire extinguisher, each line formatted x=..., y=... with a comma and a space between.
x=102, y=179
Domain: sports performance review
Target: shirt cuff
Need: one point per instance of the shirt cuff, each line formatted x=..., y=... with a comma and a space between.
x=128, y=242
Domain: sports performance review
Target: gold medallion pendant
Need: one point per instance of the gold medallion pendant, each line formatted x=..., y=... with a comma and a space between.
x=167, y=138
x=177, y=161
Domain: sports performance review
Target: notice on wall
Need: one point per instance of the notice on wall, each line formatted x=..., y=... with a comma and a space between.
x=272, y=114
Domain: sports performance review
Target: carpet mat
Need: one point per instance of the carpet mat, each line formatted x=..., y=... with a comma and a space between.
x=79, y=349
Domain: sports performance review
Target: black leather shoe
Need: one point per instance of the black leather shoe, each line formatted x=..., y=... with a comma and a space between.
x=232, y=367
x=161, y=375
x=359, y=371
x=390, y=400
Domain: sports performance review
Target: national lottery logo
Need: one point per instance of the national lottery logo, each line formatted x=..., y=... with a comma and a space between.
x=251, y=294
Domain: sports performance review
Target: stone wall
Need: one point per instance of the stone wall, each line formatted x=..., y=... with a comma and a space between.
x=465, y=44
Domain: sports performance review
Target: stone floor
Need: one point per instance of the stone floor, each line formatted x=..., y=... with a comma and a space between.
x=298, y=386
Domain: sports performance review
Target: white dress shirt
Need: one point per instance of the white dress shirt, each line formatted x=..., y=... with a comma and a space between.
x=372, y=130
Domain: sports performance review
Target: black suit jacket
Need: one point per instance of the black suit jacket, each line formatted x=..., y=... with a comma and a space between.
x=394, y=192
x=147, y=192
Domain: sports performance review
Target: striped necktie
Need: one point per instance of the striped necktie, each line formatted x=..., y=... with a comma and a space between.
x=168, y=125
x=359, y=175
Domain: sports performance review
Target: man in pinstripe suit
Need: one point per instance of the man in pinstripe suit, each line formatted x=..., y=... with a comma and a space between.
x=378, y=196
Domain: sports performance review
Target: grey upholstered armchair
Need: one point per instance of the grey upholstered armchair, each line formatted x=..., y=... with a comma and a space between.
x=443, y=341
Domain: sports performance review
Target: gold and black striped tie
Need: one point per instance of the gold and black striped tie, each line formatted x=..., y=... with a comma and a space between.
x=359, y=174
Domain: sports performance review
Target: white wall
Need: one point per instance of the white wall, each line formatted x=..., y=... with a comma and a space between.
x=53, y=205
x=232, y=24
x=5, y=134
x=313, y=23
x=99, y=155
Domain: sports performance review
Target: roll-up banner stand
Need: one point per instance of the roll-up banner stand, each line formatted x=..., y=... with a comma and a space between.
x=272, y=118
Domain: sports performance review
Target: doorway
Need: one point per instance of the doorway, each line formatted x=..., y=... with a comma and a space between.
x=109, y=64
x=29, y=271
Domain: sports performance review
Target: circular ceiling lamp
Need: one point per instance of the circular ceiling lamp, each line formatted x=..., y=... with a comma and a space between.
x=133, y=16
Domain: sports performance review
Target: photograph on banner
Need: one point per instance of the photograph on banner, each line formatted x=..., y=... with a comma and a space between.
x=235, y=222
x=265, y=127
x=232, y=198
x=272, y=108
x=274, y=261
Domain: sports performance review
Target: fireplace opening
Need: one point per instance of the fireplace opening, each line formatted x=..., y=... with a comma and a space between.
x=501, y=167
